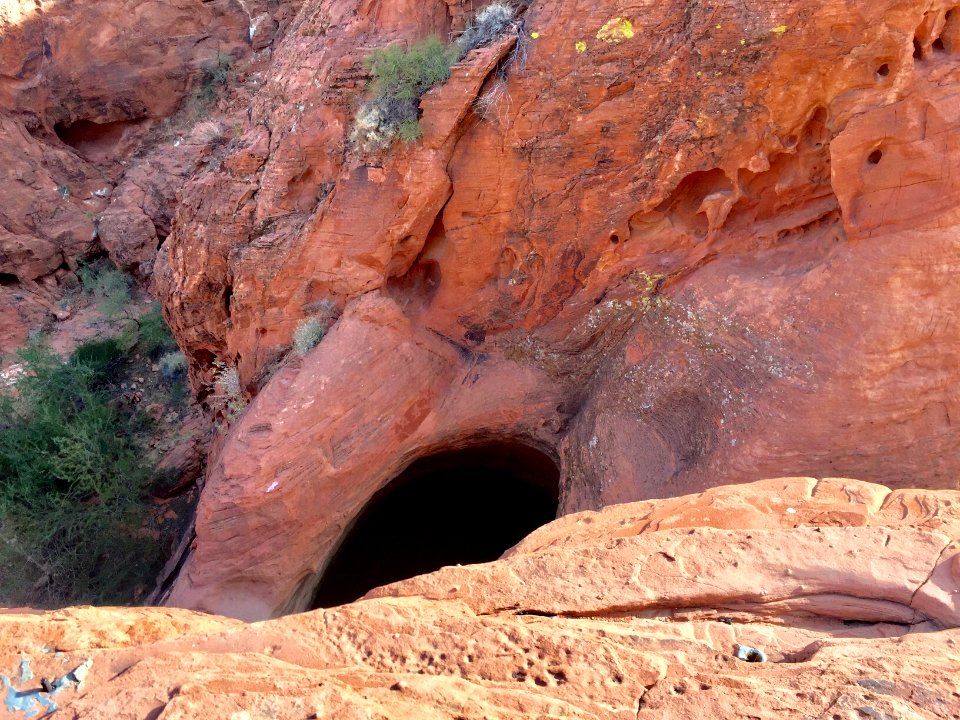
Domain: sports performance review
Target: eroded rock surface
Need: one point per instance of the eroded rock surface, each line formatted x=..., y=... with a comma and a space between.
x=851, y=591
x=693, y=242
x=84, y=88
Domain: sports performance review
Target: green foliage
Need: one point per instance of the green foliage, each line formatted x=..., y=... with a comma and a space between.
x=113, y=291
x=100, y=358
x=110, y=287
x=72, y=524
x=400, y=78
x=309, y=333
x=154, y=336
x=215, y=76
x=409, y=131
x=403, y=74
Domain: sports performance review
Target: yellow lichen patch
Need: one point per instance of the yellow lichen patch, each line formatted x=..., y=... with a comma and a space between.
x=607, y=259
x=616, y=30
x=534, y=34
x=580, y=46
x=779, y=30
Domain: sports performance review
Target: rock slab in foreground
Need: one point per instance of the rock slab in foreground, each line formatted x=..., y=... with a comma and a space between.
x=851, y=591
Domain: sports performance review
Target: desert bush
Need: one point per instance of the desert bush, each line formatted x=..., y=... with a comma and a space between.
x=215, y=76
x=173, y=367
x=309, y=333
x=209, y=132
x=154, y=337
x=492, y=22
x=73, y=528
x=400, y=78
x=409, y=131
x=488, y=25
x=228, y=393
x=406, y=74
x=99, y=358
x=112, y=289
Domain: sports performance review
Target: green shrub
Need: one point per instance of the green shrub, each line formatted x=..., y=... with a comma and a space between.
x=400, y=78
x=215, y=76
x=111, y=288
x=173, y=366
x=309, y=333
x=113, y=291
x=406, y=74
x=154, y=337
x=100, y=358
x=99, y=355
x=73, y=528
x=409, y=131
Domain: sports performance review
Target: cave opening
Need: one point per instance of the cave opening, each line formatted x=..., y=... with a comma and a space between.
x=95, y=141
x=455, y=507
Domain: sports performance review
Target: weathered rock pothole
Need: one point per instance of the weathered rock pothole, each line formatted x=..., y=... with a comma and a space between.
x=101, y=142
x=454, y=507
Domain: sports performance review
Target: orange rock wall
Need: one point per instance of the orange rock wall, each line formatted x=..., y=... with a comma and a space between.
x=81, y=87
x=718, y=248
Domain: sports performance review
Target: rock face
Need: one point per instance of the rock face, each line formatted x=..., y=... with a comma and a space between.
x=82, y=86
x=851, y=592
x=702, y=243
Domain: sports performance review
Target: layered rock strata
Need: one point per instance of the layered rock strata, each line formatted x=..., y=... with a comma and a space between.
x=850, y=591
x=679, y=243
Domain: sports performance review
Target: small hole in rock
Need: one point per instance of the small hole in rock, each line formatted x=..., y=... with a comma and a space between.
x=614, y=238
x=9, y=280
x=875, y=157
x=938, y=45
x=791, y=141
x=679, y=689
x=917, y=50
x=883, y=70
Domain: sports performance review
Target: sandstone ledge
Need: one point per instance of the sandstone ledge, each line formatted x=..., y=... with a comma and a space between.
x=851, y=590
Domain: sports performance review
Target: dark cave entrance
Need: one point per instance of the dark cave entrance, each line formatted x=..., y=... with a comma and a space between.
x=461, y=506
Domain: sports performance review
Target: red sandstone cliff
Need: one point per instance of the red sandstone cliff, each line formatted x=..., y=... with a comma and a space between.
x=721, y=246
x=86, y=90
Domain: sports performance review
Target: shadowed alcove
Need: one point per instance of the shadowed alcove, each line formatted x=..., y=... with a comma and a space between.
x=460, y=506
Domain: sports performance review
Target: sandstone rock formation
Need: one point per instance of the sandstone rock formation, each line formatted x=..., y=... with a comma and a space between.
x=699, y=242
x=84, y=88
x=680, y=245
x=851, y=591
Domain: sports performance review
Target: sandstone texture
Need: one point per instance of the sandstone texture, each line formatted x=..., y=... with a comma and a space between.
x=86, y=90
x=851, y=590
x=668, y=245
x=681, y=242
